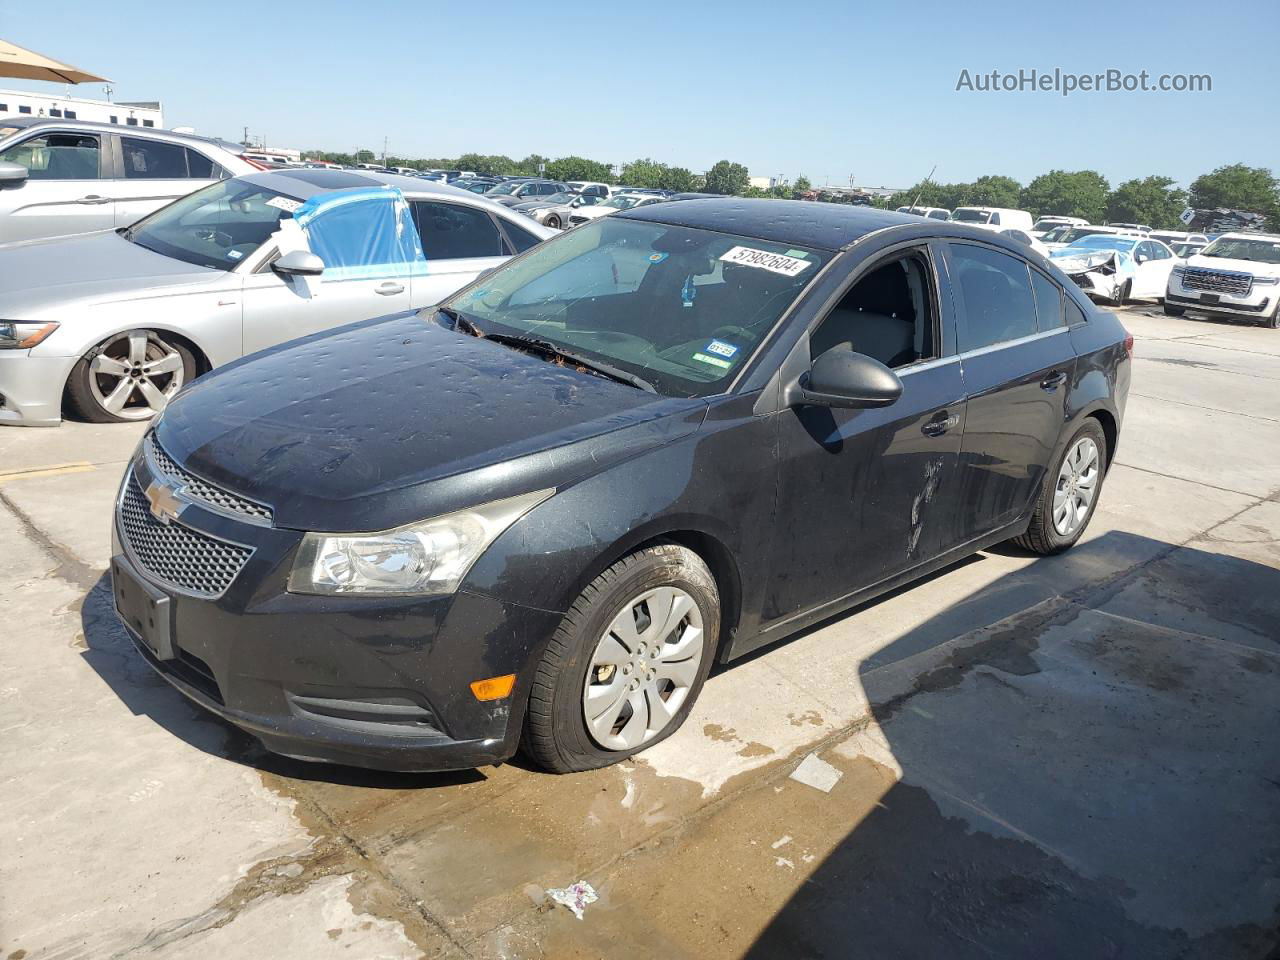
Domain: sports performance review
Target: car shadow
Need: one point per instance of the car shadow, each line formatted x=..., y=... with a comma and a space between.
x=1091, y=778
x=111, y=654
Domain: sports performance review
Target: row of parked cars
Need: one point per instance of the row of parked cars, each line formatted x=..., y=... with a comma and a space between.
x=407, y=505
x=1233, y=275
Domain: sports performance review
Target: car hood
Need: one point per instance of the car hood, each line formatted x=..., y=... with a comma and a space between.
x=95, y=267
x=1255, y=267
x=393, y=420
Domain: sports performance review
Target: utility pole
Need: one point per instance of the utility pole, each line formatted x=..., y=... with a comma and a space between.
x=245, y=141
x=384, y=151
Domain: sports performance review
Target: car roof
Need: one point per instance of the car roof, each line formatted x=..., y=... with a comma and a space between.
x=829, y=226
x=95, y=127
x=304, y=183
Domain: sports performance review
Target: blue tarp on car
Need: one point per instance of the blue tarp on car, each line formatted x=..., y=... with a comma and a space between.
x=362, y=232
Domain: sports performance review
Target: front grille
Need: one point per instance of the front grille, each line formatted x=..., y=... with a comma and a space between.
x=195, y=488
x=1231, y=282
x=175, y=554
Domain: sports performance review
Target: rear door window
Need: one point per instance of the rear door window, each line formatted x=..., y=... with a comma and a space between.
x=453, y=232
x=58, y=156
x=153, y=159
x=995, y=289
x=1048, y=302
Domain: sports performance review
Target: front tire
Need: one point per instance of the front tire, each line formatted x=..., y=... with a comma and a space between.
x=1069, y=493
x=626, y=664
x=1173, y=311
x=130, y=376
x=553, y=221
x=1273, y=321
x=1122, y=294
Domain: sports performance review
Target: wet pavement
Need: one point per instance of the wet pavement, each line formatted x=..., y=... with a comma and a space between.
x=1075, y=756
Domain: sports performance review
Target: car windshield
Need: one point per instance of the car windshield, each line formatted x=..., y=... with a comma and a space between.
x=1048, y=225
x=680, y=308
x=1187, y=249
x=1073, y=234
x=559, y=198
x=508, y=188
x=1106, y=241
x=971, y=216
x=624, y=201
x=215, y=227
x=1241, y=248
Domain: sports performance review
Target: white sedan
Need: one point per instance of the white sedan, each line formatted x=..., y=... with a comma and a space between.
x=622, y=201
x=1118, y=268
x=118, y=321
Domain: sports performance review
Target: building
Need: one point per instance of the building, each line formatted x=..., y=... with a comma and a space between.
x=146, y=113
x=767, y=183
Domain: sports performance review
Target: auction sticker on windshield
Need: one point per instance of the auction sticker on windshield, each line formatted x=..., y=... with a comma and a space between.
x=764, y=260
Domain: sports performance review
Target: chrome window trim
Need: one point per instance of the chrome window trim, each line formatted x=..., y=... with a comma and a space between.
x=1042, y=335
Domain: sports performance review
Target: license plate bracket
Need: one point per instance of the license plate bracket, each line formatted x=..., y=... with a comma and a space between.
x=1210, y=298
x=145, y=610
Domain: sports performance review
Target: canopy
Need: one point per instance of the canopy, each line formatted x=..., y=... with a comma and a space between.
x=17, y=62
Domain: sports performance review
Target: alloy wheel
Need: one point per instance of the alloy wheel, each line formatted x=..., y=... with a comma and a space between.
x=1076, y=487
x=643, y=668
x=135, y=375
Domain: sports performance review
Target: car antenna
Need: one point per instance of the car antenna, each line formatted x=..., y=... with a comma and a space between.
x=922, y=183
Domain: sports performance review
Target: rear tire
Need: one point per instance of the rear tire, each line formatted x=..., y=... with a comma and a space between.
x=613, y=650
x=1047, y=533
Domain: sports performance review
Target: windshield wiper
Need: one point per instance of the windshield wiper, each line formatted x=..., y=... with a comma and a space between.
x=549, y=350
x=545, y=348
x=460, y=323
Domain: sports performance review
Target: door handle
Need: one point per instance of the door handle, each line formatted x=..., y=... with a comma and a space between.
x=1053, y=381
x=94, y=198
x=940, y=424
x=389, y=289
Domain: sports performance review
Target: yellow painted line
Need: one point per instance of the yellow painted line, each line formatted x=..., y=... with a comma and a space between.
x=64, y=468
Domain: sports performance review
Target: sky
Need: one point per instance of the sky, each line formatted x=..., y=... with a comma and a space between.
x=830, y=90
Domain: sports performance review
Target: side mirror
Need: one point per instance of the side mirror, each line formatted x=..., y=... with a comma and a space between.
x=842, y=378
x=299, y=263
x=1142, y=258
x=13, y=172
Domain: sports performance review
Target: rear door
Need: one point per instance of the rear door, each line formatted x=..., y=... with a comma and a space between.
x=459, y=241
x=65, y=191
x=154, y=173
x=1017, y=361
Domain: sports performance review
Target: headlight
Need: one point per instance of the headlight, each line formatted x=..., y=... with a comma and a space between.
x=17, y=335
x=1178, y=271
x=1265, y=281
x=428, y=557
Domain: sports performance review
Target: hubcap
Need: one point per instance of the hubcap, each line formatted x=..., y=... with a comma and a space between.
x=135, y=375
x=642, y=668
x=1077, y=486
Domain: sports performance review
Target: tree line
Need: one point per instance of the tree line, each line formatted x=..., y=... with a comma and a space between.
x=1153, y=200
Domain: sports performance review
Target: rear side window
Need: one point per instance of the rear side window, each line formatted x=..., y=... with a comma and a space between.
x=1074, y=315
x=153, y=160
x=200, y=167
x=1048, y=301
x=453, y=232
x=521, y=239
x=996, y=292
x=57, y=156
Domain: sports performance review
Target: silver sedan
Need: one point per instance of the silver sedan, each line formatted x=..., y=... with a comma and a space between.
x=118, y=321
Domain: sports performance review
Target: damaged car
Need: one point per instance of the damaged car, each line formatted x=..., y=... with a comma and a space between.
x=535, y=516
x=1117, y=268
x=116, y=322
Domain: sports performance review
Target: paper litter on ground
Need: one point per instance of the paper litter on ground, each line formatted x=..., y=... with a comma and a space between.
x=817, y=773
x=576, y=896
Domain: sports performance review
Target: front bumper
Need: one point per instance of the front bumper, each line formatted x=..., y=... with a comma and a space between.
x=1258, y=304
x=31, y=388
x=380, y=683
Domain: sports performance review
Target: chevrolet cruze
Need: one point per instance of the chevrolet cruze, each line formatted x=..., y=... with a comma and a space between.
x=534, y=516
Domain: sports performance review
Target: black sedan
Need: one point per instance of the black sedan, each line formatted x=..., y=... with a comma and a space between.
x=536, y=515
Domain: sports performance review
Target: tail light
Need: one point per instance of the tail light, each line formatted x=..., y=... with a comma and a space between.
x=1128, y=345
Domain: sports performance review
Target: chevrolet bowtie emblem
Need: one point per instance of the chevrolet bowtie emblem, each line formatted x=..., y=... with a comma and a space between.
x=164, y=500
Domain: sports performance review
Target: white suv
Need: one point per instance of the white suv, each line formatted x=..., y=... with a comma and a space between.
x=60, y=177
x=1238, y=275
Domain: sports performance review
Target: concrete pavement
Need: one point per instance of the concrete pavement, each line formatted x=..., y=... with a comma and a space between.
x=1075, y=756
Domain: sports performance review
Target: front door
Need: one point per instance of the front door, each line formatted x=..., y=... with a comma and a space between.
x=1154, y=262
x=866, y=494
x=1018, y=362
x=64, y=192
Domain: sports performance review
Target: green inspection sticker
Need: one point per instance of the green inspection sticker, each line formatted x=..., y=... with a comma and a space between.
x=714, y=361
